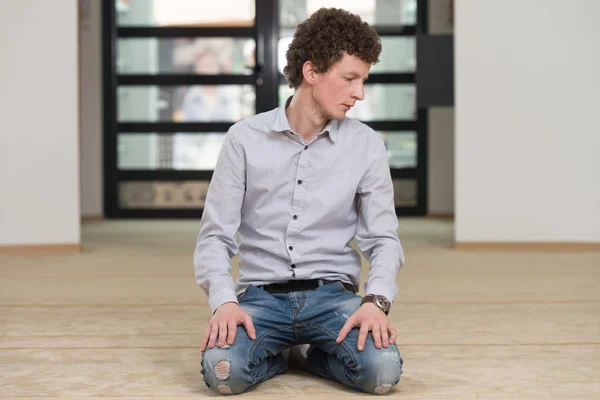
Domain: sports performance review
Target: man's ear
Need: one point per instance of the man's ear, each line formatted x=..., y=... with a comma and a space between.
x=308, y=72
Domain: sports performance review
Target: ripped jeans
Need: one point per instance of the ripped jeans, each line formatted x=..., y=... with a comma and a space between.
x=285, y=320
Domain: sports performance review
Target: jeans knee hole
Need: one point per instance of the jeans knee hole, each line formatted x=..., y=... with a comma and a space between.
x=383, y=389
x=224, y=389
x=222, y=370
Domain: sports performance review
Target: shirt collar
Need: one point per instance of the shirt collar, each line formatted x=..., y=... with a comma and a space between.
x=281, y=123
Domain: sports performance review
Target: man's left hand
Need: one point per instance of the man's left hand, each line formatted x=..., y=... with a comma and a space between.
x=369, y=318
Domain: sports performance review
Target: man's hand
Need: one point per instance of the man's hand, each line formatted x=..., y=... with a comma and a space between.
x=223, y=325
x=369, y=318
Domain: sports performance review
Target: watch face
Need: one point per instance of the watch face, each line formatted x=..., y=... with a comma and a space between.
x=382, y=302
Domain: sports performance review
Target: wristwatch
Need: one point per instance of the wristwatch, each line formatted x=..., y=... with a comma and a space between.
x=380, y=301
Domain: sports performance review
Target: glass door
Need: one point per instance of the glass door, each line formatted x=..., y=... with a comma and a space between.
x=179, y=73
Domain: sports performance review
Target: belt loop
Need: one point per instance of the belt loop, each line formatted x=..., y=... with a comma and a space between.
x=320, y=282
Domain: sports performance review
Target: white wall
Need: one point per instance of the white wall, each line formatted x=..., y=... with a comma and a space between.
x=527, y=127
x=90, y=90
x=39, y=158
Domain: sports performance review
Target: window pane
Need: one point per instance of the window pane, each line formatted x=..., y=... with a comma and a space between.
x=200, y=151
x=206, y=56
x=138, y=152
x=185, y=13
x=382, y=102
x=397, y=53
x=375, y=12
x=401, y=148
x=199, y=103
x=385, y=101
x=184, y=194
x=405, y=192
x=190, y=151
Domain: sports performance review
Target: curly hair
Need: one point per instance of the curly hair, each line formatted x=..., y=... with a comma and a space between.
x=324, y=37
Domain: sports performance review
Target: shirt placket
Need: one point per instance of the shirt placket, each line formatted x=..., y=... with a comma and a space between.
x=298, y=201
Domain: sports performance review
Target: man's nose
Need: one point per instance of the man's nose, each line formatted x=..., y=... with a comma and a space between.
x=359, y=92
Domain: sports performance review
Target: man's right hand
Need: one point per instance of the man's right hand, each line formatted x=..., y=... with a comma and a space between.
x=223, y=325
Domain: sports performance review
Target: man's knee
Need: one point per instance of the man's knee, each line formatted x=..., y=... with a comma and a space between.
x=222, y=373
x=380, y=370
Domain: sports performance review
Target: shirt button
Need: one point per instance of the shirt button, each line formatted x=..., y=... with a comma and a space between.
x=291, y=247
x=305, y=147
x=295, y=217
x=293, y=265
x=299, y=181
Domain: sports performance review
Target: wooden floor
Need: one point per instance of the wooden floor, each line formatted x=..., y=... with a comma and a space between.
x=124, y=319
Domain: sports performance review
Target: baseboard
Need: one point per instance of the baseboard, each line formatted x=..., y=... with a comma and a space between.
x=444, y=216
x=91, y=218
x=538, y=246
x=42, y=249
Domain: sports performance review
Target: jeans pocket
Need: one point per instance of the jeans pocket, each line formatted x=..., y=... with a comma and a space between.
x=341, y=285
x=241, y=296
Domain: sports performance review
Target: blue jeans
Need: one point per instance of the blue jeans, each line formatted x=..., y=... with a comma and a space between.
x=285, y=320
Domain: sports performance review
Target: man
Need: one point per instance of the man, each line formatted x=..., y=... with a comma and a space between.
x=299, y=183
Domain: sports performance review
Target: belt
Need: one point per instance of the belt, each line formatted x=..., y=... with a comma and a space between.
x=301, y=285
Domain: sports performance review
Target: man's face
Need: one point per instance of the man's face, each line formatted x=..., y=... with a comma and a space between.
x=338, y=89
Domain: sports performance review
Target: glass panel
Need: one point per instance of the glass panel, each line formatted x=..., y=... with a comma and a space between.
x=375, y=12
x=200, y=151
x=138, y=152
x=184, y=194
x=185, y=13
x=206, y=56
x=397, y=53
x=405, y=192
x=191, y=151
x=401, y=148
x=198, y=103
x=382, y=102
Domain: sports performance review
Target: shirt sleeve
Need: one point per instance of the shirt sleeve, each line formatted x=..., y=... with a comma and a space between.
x=216, y=243
x=377, y=231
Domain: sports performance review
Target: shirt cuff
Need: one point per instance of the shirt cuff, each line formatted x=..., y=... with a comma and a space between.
x=382, y=287
x=221, y=297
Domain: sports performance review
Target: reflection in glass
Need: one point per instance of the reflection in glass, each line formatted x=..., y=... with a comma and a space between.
x=197, y=103
x=401, y=148
x=208, y=56
x=382, y=102
x=374, y=12
x=198, y=152
x=180, y=151
x=185, y=13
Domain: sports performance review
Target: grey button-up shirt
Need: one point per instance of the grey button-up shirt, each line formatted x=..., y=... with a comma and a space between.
x=296, y=207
